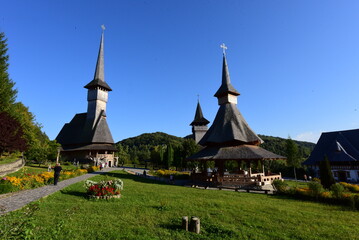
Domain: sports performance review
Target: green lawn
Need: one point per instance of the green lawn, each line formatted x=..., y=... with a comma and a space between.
x=9, y=159
x=299, y=184
x=151, y=210
x=36, y=169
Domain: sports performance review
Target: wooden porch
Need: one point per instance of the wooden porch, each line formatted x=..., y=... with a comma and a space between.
x=250, y=180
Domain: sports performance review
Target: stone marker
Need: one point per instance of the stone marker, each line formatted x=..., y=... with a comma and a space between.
x=195, y=225
x=185, y=223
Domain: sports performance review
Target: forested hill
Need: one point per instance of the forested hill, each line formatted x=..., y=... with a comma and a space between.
x=278, y=146
x=152, y=139
x=273, y=144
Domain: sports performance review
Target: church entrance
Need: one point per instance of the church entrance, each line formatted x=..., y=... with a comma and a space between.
x=109, y=163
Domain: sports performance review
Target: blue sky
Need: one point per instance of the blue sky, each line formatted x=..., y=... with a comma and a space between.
x=295, y=63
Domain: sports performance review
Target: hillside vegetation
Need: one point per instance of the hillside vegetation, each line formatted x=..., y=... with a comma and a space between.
x=164, y=150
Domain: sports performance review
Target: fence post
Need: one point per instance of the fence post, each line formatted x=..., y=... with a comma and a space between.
x=195, y=225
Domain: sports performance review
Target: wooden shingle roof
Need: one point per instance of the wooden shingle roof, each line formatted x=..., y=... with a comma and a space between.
x=82, y=131
x=199, y=120
x=339, y=147
x=239, y=152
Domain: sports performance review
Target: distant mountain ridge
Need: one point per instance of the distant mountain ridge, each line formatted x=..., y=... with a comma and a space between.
x=152, y=139
x=273, y=144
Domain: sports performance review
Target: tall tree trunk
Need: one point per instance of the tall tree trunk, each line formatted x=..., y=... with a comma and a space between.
x=295, y=174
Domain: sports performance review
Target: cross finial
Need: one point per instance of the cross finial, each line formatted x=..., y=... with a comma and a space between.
x=224, y=47
x=103, y=27
x=198, y=97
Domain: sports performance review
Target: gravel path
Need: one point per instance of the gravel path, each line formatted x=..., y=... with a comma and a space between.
x=13, y=201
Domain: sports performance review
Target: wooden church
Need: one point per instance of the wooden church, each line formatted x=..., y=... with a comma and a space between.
x=231, y=139
x=87, y=138
x=199, y=124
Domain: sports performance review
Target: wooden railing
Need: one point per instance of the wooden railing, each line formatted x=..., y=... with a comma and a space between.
x=209, y=179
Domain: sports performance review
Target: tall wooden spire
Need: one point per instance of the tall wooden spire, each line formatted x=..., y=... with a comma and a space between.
x=99, y=76
x=229, y=126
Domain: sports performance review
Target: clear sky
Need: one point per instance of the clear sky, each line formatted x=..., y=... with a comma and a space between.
x=295, y=63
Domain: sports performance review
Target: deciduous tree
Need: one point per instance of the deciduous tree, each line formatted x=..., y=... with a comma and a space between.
x=11, y=134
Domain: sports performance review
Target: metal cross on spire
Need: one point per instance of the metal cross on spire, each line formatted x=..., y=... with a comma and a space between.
x=224, y=47
x=197, y=97
x=103, y=27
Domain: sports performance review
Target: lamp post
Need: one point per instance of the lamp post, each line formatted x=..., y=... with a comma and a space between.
x=58, y=155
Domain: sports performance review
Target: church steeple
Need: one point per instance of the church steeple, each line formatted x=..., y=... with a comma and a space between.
x=199, y=124
x=226, y=92
x=99, y=76
x=98, y=89
x=198, y=118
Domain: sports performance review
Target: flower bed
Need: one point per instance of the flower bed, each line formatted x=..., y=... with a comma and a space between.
x=339, y=193
x=168, y=173
x=34, y=180
x=105, y=189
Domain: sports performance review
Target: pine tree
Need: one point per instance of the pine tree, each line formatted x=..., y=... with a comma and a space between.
x=169, y=156
x=293, y=159
x=7, y=91
x=326, y=175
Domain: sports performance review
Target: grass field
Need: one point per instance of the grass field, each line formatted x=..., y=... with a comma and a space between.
x=8, y=159
x=36, y=169
x=151, y=210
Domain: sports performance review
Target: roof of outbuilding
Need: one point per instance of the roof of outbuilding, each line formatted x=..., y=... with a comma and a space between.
x=239, y=152
x=198, y=118
x=339, y=146
x=230, y=126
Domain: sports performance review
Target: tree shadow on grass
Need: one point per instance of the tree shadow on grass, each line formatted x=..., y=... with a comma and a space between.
x=173, y=224
x=74, y=193
x=125, y=175
x=345, y=206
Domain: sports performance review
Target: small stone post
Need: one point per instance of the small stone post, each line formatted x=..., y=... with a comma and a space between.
x=195, y=225
x=185, y=223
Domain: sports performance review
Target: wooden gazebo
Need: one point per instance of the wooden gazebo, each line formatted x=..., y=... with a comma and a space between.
x=231, y=139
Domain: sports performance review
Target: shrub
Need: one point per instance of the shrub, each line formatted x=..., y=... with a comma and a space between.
x=92, y=169
x=350, y=187
x=167, y=173
x=6, y=186
x=326, y=175
x=315, y=188
x=337, y=190
x=280, y=185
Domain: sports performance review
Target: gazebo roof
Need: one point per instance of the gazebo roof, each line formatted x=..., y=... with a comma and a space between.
x=242, y=152
x=228, y=126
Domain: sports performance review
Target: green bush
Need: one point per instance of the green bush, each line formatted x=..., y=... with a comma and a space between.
x=315, y=188
x=337, y=190
x=6, y=187
x=280, y=185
